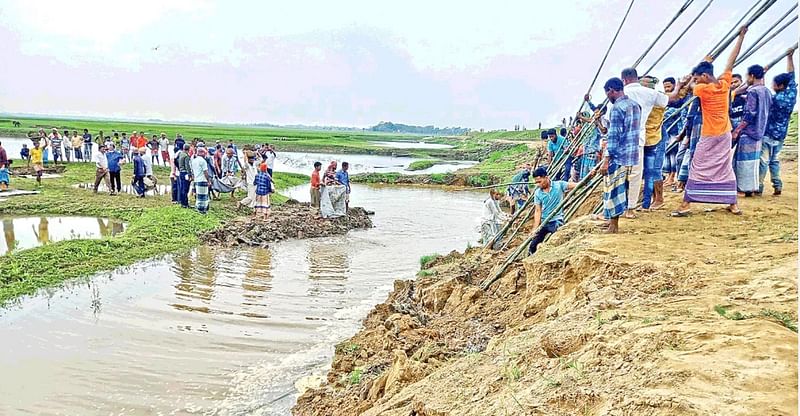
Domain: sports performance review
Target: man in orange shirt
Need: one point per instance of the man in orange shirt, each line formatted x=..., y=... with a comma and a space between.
x=315, y=183
x=711, y=177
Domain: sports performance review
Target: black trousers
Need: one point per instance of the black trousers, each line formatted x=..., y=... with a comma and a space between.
x=548, y=229
x=116, y=181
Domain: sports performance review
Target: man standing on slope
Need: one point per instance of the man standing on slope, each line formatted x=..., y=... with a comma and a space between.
x=315, y=183
x=778, y=124
x=750, y=131
x=711, y=179
x=621, y=154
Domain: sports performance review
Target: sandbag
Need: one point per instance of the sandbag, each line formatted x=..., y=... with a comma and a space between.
x=332, y=201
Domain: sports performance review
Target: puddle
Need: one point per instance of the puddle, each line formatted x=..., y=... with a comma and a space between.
x=20, y=233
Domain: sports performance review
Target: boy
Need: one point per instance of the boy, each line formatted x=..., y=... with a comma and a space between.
x=264, y=185
x=25, y=154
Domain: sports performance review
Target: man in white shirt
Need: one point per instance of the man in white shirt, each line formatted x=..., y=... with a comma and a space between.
x=647, y=98
x=269, y=158
x=102, y=174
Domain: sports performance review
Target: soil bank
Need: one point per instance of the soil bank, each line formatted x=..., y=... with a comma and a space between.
x=674, y=316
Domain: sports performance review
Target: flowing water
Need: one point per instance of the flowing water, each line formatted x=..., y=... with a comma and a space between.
x=25, y=232
x=220, y=331
x=304, y=163
x=412, y=145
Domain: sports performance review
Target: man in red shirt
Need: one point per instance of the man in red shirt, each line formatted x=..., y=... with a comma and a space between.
x=315, y=183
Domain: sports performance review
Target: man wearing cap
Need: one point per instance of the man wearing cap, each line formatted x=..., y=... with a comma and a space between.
x=621, y=153
x=546, y=202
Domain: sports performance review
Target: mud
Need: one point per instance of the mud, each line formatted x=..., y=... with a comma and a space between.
x=690, y=316
x=28, y=170
x=292, y=220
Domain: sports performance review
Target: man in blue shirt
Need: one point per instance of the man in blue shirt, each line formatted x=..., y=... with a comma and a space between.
x=750, y=131
x=344, y=178
x=621, y=154
x=87, y=145
x=783, y=103
x=114, y=157
x=546, y=204
x=556, y=147
x=139, y=172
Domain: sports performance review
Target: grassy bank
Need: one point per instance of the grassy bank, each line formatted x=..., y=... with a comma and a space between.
x=423, y=164
x=155, y=227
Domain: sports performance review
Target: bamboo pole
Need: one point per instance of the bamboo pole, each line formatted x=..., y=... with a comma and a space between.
x=754, y=48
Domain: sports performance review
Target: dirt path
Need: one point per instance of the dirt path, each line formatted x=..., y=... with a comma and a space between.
x=675, y=316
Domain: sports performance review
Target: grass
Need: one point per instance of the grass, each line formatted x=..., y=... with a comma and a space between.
x=425, y=260
x=785, y=319
x=348, y=348
x=422, y=164
x=791, y=135
x=155, y=227
x=355, y=376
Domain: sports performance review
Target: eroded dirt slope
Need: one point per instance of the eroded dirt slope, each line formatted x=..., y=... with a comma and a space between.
x=688, y=316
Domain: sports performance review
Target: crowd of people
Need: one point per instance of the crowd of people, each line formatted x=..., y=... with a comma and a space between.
x=196, y=169
x=713, y=138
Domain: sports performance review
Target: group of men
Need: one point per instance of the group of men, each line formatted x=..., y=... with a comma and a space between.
x=330, y=193
x=713, y=138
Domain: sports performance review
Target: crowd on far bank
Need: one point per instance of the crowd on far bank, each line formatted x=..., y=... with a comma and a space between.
x=197, y=170
x=712, y=138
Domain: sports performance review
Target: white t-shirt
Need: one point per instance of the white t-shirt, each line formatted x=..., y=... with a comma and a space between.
x=270, y=160
x=164, y=143
x=491, y=211
x=647, y=98
x=148, y=166
x=199, y=166
x=100, y=160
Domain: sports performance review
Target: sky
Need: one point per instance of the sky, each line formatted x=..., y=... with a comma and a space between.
x=472, y=64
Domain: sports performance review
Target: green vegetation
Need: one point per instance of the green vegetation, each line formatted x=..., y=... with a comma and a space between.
x=425, y=261
x=348, y=348
x=784, y=319
x=423, y=164
x=286, y=139
x=355, y=376
x=791, y=136
x=155, y=226
x=389, y=127
x=522, y=135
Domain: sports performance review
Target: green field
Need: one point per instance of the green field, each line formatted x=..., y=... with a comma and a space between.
x=285, y=139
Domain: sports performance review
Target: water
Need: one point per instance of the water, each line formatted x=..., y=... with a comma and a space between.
x=296, y=162
x=412, y=145
x=220, y=331
x=26, y=232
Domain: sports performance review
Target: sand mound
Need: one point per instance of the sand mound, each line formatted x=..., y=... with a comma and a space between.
x=290, y=220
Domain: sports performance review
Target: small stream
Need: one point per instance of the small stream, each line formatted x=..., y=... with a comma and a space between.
x=220, y=331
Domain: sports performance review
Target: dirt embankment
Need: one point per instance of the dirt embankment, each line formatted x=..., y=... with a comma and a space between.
x=290, y=220
x=675, y=316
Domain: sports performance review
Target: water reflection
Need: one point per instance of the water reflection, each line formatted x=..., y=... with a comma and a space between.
x=329, y=266
x=27, y=232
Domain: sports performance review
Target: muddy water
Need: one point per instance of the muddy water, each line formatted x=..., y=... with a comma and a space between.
x=303, y=163
x=20, y=233
x=219, y=331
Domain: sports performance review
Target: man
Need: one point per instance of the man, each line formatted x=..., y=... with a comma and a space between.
x=230, y=164
x=139, y=172
x=77, y=143
x=201, y=178
x=750, y=131
x=149, y=178
x=233, y=146
x=55, y=145
x=101, y=174
x=343, y=178
x=546, y=199
x=711, y=179
x=4, y=162
x=621, y=153
x=557, y=146
x=269, y=158
x=653, y=153
x=518, y=191
x=777, y=125
x=492, y=218
x=738, y=101
x=163, y=143
x=125, y=146
x=184, y=168
x=647, y=99
x=154, y=153
x=592, y=148
x=179, y=142
x=315, y=184
x=87, y=145
x=673, y=119
x=67, y=146
x=37, y=160
x=114, y=169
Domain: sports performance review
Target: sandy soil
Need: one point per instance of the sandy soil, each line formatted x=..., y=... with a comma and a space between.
x=675, y=316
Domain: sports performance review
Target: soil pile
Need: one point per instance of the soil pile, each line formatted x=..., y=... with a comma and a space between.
x=689, y=316
x=290, y=220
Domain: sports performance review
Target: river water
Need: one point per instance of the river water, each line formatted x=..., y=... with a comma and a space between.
x=20, y=233
x=219, y=331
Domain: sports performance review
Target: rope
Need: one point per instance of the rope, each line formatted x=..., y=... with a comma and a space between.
x=674, y=18
x=679, y=37
x=750, y=51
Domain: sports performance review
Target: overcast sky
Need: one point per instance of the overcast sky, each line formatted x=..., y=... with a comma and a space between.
x=349, y=63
